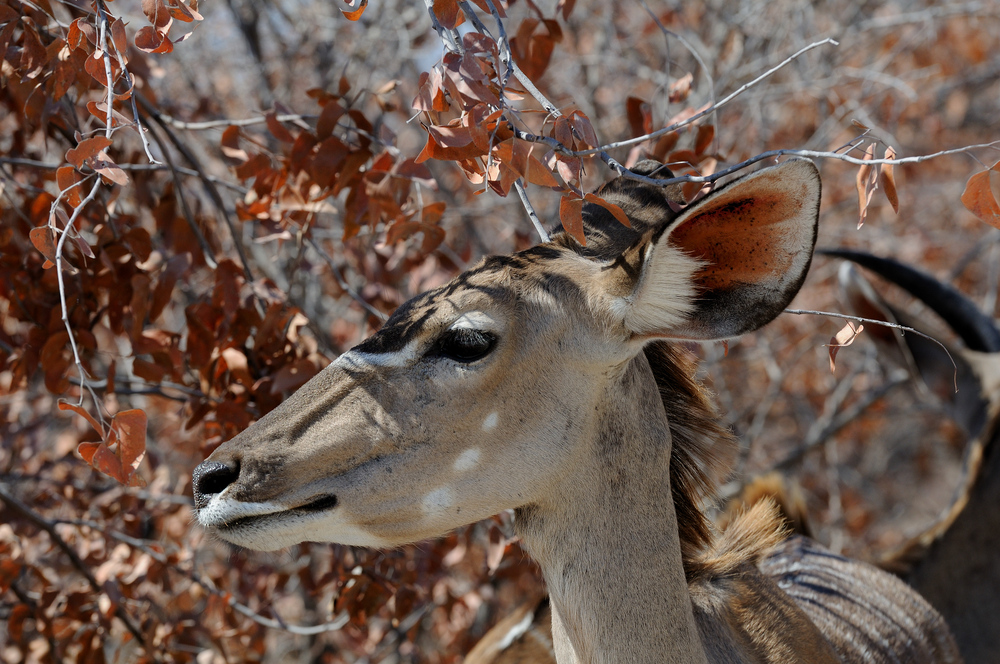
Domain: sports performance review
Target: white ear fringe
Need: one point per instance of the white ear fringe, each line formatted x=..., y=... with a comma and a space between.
x=665, y=296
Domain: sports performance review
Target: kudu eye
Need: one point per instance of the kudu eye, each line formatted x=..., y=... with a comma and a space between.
x=465, y=344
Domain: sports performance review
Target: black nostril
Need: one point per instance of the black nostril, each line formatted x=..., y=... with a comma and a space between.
x=210, y=478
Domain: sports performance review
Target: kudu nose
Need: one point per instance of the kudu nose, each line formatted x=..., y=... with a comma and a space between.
x=210, y=478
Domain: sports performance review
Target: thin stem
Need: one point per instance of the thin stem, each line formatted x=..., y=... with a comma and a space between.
x=542, y=234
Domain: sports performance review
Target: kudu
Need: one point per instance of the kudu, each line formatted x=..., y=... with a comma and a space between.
x=955, y=563
x=541, y=382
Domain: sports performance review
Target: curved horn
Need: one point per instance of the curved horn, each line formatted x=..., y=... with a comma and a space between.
x=976, y=329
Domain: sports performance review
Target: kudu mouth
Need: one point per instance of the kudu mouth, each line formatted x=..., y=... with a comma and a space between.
x=212, y=479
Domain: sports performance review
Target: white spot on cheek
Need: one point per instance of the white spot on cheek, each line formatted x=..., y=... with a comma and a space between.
x=467, y=460
x=438, y=500
x=490, y=423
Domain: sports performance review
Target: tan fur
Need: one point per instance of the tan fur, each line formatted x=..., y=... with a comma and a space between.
x=786, y=495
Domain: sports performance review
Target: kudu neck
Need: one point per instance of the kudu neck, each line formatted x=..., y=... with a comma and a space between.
x=606, y=538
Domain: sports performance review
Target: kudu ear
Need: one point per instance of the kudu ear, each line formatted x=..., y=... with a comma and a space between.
x=731, y=262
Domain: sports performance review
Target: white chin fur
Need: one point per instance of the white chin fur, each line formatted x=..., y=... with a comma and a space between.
x=269, y=526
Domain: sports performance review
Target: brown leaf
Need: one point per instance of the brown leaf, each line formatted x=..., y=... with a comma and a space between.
x=448, y=13
x=866, y=189
x=640, y=116
x=585, y=134
x=63, y=405
x=43, y=238
x=87, y=149
x=888, y=180
x=108, y=169
x=128, y=431
x=845, y=337
x=230, y=144
x=81, y=34
x=571, y=216
x=328, y=119
x=664, y=144
x=980, y=199
x=616, y=211
x=33, y=55
x=120, y=40
x=157, y=13
x=277, y=129
x=151, y=40
x=99, y=109
x=68, y=180
x=706, y=134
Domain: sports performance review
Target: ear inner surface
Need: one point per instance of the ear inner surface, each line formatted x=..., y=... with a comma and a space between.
x=752, y=241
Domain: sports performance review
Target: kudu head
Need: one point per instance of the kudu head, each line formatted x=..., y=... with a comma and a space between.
x=480, y=395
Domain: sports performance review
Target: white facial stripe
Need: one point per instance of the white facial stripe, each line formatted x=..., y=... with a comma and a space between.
x=356, y=360
x=467, y=460
x=474, y=320
x=490, y=423
x=221, y=510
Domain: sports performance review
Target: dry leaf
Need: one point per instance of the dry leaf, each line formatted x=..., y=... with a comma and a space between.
x=867, y=180
x=571, y=216
x=888, y=181
x=845, y=337
x=980, y=199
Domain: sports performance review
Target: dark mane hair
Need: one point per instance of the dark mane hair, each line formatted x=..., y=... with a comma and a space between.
x=703, y=448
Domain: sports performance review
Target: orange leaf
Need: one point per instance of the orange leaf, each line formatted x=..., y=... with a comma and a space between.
x=87, y=149
x=706, y=134
x=616, y=211
x=665, y=144
x=357, y=9
x=63, y=405
x=571, y=216
x=151, y=40
x=888, y=181
x=980, y=199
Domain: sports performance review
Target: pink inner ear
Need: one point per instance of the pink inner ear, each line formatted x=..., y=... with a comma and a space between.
x=744, y=239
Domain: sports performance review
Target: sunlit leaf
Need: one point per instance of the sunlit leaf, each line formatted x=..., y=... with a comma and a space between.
x=571, y=216
x=845, y=337
x=980, y=199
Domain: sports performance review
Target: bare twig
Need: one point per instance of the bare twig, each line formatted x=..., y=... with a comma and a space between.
x=542, y=234
x=874, y=321
x=246, y=122
x=694, y=118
